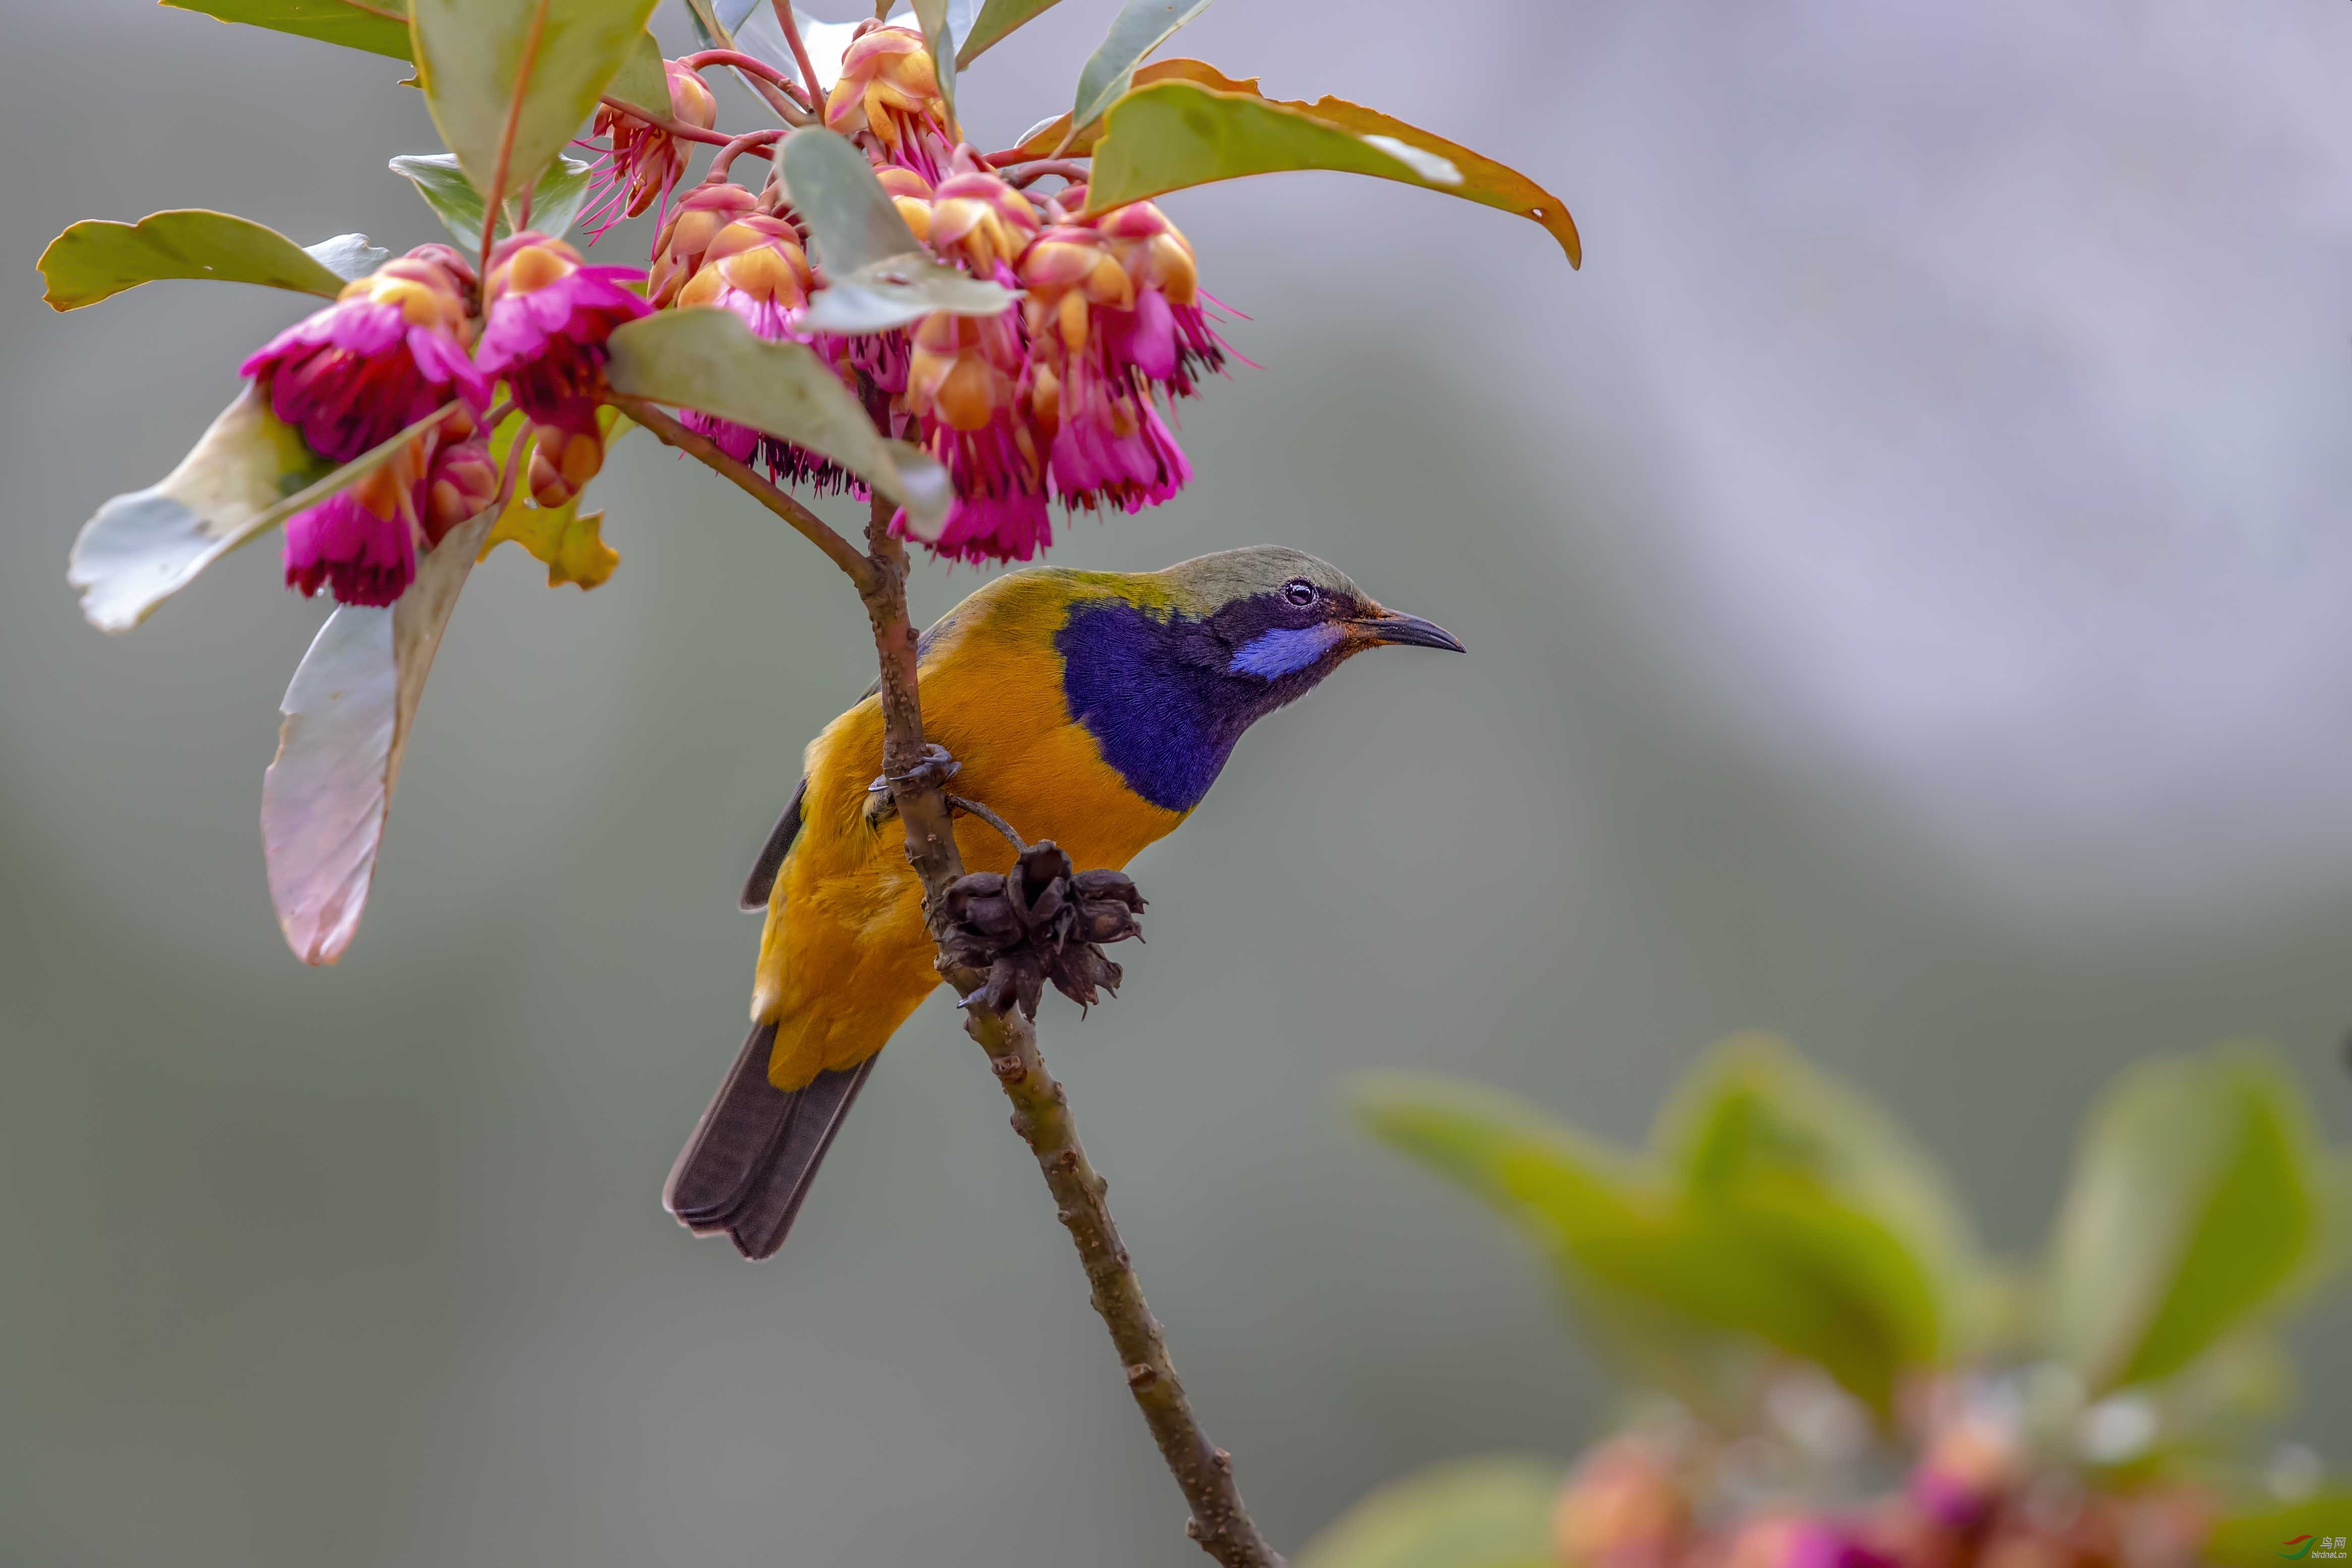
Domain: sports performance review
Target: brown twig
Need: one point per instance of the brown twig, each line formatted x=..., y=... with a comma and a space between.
x=1041, y=1110
x=1026, y=175
x=677, y=128
x=813, y=527
x=791, y=25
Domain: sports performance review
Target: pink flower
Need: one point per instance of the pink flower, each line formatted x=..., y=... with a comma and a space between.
x=644, y=161
x=964, y=384
x=548, y=318
x=362, y=543
x=888, y=86
x=1102, y=341
x=1165, y=335
x=755, y=268
x=388, y=351
x=687, y=232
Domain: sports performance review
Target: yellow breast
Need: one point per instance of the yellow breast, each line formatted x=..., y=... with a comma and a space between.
x=845, y=957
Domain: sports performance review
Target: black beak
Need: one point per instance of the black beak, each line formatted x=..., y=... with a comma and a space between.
x=1389, y=626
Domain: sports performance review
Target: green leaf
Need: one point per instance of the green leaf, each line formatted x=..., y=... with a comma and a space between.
x=568, y=543
x=557, y=196
x=96, y=260
x=2198, y=1201
x=348, y=713
x=643, y=80
x=996, y=19
x=1185, y=131
x=708, y=360
x=379, y=26
x=939, y=38
x=1754, y=1120
x=510, y=82
x=1786, y=1264
x=2260, y=1537
x=1488, y=1512
x=1141, y=27
x=348, y=257
x=249, y=473
x=876, y=275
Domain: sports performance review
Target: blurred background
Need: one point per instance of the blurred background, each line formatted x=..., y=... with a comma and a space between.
x=1910, y=610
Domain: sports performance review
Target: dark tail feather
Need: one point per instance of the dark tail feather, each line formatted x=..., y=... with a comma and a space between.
x=757, y=1148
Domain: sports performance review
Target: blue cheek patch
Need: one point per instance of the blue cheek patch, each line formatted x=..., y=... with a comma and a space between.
x=1285, y=650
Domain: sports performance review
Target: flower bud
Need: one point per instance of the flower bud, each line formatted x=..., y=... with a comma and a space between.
x=701, y=214
x=980, y=223
x=463, y=483
x=888, y=86
x=563, y=462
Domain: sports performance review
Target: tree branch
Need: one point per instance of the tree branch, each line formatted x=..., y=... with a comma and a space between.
x=813, y=527
x=1041, y=1108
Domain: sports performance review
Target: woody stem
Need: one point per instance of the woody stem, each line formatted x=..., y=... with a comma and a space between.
x=1041, y=1110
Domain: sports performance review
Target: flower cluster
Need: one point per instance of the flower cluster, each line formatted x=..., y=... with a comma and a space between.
x=399, y=346
x=1060, y=398
x=1066, y=396
x=1974, y=1499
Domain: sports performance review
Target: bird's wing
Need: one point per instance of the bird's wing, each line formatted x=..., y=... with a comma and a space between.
x=760, y=885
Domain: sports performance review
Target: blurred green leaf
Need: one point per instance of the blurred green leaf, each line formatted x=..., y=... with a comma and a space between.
x=2199, y=1200
x=247, y=474
x=1044, y=139
x=1785, y=1263
x=708, y=359
x=996, y=19
x=348, y=715
x=1141, y=27
x=557, y=196
x=379, y=26
x=96, y=260
x=1489, y=1512
x=1754, y=1120
x=510, y=82
x=643, y=80
x=1192, y=126
x=2261, y=1536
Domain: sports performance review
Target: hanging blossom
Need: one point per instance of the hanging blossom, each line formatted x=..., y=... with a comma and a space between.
x=882, y=357
x=1104, y=330
x=967, y=380
x=888, y=87
x=388, y=351
x=546, y=320
x=644, y=162
x=686, y=235
x=361, y=543
x=757, y=269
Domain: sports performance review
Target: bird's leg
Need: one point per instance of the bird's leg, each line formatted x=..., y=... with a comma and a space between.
x=932, y=773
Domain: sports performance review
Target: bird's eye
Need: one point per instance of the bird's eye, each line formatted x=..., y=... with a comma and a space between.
x=1300, y=592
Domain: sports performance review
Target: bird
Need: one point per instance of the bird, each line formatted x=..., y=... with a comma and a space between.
x=1095, y=708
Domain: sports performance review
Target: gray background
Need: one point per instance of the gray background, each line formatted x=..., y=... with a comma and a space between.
x=1910, y=605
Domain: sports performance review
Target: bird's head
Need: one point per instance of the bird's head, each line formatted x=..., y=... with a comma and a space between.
x=1284, y=618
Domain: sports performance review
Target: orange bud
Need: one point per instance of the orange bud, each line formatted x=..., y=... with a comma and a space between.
x=562, y=463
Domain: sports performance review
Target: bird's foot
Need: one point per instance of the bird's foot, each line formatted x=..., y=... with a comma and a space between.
x=934, y=771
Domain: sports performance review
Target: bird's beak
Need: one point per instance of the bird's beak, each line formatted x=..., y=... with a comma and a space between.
x=1395, y=626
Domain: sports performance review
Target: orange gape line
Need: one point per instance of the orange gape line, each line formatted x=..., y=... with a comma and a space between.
x=845, y=958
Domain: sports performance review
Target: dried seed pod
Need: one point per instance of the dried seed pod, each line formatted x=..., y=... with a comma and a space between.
x=1044, y=921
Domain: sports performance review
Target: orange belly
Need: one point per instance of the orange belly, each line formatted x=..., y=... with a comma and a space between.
x=845, y=958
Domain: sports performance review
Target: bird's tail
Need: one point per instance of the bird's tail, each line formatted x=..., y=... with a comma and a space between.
x=757, y=1148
